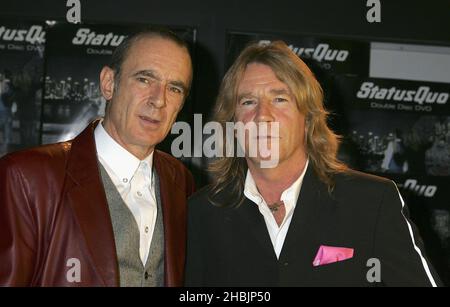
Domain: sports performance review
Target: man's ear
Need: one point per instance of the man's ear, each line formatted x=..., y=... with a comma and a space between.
x=107, y=82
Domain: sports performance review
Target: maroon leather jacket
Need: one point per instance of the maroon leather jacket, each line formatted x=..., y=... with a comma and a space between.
x=53, y=208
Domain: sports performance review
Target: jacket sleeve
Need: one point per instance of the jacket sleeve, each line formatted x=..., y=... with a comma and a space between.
x=194, y=255
x=398, y=245
x=17, y=228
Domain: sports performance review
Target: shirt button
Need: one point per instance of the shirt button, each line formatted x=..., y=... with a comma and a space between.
x=146, y=229
x=139, y=193
x=146, y=275
x=125, y=180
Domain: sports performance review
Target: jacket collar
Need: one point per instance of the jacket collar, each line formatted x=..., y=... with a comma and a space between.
x=314, y=214
x=118, y=160
x=85, y=192
x=173, y=201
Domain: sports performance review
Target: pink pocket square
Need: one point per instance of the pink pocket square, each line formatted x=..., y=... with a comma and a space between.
x=330, y=254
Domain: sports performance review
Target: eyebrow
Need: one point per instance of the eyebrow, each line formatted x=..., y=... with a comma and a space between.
x=152, y=74
x=280, y=91
x=244, y=95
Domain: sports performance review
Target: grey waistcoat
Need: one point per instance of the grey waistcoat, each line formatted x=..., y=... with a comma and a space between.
x=126, y=236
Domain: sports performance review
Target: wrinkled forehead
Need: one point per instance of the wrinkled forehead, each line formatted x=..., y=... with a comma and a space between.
x=259, y=74
x=262, y=77
x=169, y=54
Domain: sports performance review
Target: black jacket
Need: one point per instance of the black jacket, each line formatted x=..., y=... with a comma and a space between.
x=232, y=247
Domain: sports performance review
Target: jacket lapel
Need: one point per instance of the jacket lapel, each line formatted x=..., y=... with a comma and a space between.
x=173, y=203
x=252, y=220
x=85, y=193
x=312, y=218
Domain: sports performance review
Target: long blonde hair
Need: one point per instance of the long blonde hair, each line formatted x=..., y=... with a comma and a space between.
x=321, y=142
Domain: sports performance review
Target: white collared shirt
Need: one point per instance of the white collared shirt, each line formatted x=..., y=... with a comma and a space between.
x=289, y=197
x=134, y=182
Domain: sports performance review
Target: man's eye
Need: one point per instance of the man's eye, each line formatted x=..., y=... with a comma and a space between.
x=143, y=80
x=280, y=99
x=176, y=90
x=247, y=102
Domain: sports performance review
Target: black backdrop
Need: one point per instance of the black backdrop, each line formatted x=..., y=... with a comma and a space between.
x=402, y=21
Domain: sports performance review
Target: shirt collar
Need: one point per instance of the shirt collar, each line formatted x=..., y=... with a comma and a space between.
x=291, y=193
x=119, y=160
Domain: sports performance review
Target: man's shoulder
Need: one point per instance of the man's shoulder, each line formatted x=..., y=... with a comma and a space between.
x=352, y=185
x=173, y=167
x=37, y=158
x=212, y=202
x=172, y=162
x=357, y=179
x=201, y=196
x=168, y=159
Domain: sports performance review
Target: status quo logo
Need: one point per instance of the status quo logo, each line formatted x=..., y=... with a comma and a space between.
x=86, y=36
x=419, y=189
x=322, y=52
x=421, y=95
x=33, y=35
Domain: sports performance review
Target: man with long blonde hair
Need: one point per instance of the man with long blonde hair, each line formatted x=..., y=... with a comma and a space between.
x=308, y=219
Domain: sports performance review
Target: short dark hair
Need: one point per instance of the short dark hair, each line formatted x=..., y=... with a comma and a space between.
x=121, y=52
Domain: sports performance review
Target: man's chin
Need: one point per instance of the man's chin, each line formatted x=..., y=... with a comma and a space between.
x=145, y=141
x=259, y=161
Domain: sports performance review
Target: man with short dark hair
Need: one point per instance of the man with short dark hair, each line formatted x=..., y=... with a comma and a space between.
x=105, y=209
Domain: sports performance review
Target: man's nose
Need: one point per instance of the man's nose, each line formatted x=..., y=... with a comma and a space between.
x=157, y=96
x=264, y=112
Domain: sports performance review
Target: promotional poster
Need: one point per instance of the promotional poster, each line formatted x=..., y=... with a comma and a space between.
x=21, y=72
x=401, y=130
